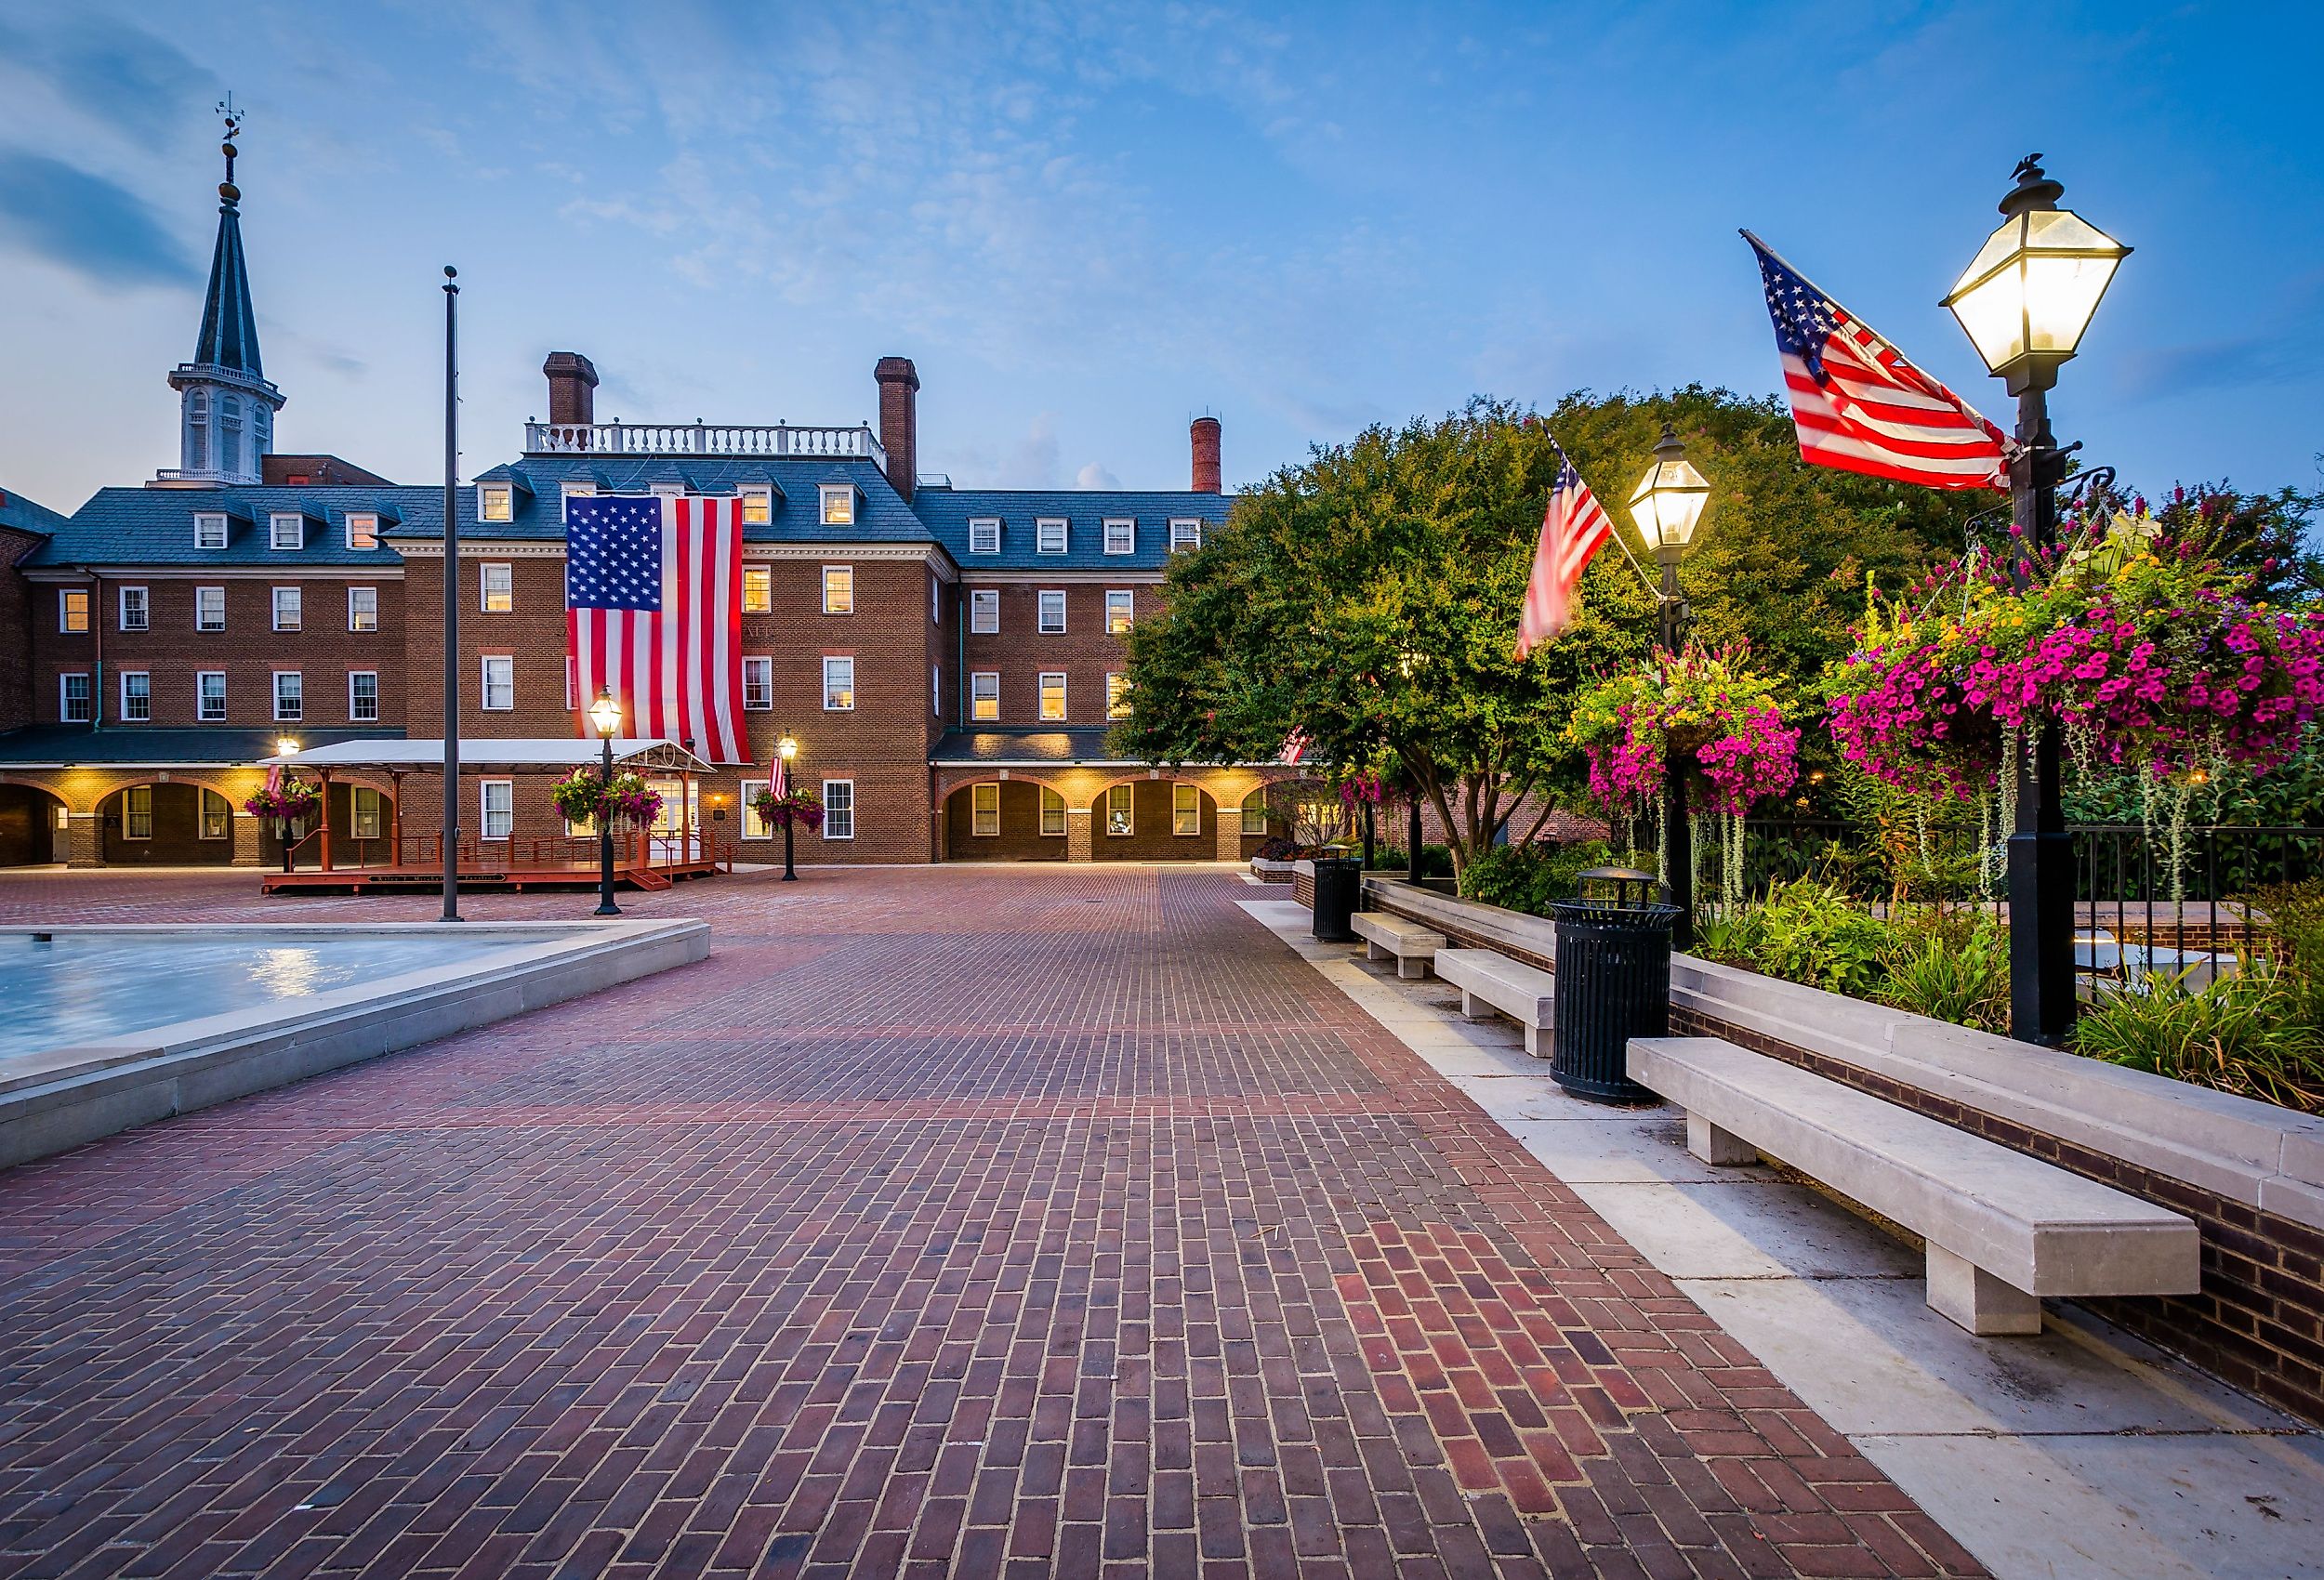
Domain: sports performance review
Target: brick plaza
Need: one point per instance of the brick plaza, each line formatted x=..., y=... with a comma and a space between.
x=1061, y=1221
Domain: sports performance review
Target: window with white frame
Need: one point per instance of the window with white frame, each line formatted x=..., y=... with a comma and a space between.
x=496, y=588
x=754, y=824
x=571, y=489
x=573, y=684
x=500, y=682
x=1052, y=697
x=496, y=801
x=1185, y=535
x=838, y=809
x=985, y=810
x=362, y=530
x=839, y=505
x=76, y=698
x=209, y=530
x=362, y=609
x=839, y=684
x=1048, y=536
x=1052, y=611
x=935, y=601
x=1255, y=813
x=209, y=696
x=287, y=607
x=286, y=530
x=757, y=589
x=984, y=535
x=137, y=696
x=936, y=690
x=983, y=611
x=229, y=434
x=290, y=696
x=1121, y=537
x=757, y=507
x=73, y=611
x=218, y=816
x=209, y=609
x=198, y=430
x=1116, y=695
x=757, y=684
x=1185, y=810
x=667, y=489
x=1121, y=820
x=1052, y=814
x=838, y=590
x=366, y=812
x=496, y=502
x=1121, y=607
x=137, y=812
x=363, y=696
x=985, y=696
x=136, y=612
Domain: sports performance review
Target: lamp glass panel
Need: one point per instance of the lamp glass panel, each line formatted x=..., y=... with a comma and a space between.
x=1669, y=503
x=2038, y=273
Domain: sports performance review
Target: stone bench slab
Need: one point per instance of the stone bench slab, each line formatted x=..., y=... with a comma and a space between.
x=2004, y=1229
x=1526, y=993
x=1411, y=944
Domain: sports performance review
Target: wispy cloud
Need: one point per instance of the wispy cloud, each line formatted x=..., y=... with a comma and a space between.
x=50, y=210
x=111, y=72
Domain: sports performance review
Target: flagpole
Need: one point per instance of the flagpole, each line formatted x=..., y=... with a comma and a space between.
x=451, y=596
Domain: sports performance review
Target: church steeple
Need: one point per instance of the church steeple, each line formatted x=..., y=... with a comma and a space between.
x=227, y=406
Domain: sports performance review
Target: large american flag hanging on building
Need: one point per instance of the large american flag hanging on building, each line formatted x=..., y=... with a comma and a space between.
x=1573, y=528
x=1860, y=406
x=654, y=610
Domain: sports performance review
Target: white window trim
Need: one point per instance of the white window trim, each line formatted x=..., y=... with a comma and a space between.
x=1176, y=832
x=850, y=589
x=277, y=694
x=1064, y=708
x=200, y=676
x=826, y=493
x=355, y=794
x=373, y=626
x=147, y=676
x=763, y=573
x=763, y=496
x=936, y=690
x=986, y=600
x=1040, y=612
x=1116, y=697
x=1105, y=810
x=974, y=677
x=483, y=812
x=1040, y=825
x=275, y=532
x=828, y=660
x=505, y=492
x=354, y=717
x=767, y=662
x=355, y=515
x=974, y=832
x=1130, y=596
x=935, y=601
x=127, y=794
x=1193, y=521
x=1129, y=544
x=1041, y=525
x=274, y=607
x=204, y=521
x=64, y=684
x=851, y=808
x=1255, y=802
x=483, y=593
x=978, y=524
x=202, y=815
x=199, y=594
x=121, y=610
x=88, y=610
x=484, y=662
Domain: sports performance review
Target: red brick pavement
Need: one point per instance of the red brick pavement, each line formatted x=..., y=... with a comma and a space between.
x=1020, y=1221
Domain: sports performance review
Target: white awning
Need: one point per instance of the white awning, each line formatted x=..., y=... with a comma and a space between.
x=549, y=755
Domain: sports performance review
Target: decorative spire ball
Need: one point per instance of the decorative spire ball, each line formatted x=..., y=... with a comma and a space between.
x=228, y=192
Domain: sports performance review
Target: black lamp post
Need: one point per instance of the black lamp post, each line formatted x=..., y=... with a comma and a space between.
x=605, y=718
x=1668, y=505
x=2025, y=301
x=287, y=746
x=787, y=749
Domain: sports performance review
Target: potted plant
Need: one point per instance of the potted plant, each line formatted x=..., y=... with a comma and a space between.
x=284, y=801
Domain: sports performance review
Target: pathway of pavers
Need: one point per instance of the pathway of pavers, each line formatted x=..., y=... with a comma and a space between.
x=954, y=1221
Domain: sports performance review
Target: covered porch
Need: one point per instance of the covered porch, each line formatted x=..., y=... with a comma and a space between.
x=506, y=841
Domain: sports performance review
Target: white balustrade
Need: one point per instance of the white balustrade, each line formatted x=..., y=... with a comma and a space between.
x=699, y=439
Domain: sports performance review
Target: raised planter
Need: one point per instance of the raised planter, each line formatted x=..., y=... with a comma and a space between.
x=1266, y=871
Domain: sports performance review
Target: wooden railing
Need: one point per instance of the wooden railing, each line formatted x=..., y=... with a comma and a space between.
x=699, y=439
x=532, y=853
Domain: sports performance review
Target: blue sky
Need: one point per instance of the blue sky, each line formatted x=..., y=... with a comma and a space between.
x=1087, y=223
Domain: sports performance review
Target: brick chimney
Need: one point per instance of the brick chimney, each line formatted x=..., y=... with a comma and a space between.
x=1204, y=434
x=899, y=420
x=572, y=388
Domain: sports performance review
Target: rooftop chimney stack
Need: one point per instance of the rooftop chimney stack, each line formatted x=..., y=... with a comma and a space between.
x=899, y=420
x=1204, y=433
x=572, y=388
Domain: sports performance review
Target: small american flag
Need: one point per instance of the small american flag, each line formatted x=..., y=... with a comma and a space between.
x=1573, y=528
x=653, y=611
x=1860, y=406
x=1294, y=747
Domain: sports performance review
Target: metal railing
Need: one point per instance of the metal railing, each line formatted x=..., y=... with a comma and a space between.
x=701, y=439
x=528, y=852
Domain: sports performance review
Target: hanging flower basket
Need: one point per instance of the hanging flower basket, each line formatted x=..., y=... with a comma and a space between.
x=627, y=803
x=286, y=803
x=798, y=808
x=1700, y=703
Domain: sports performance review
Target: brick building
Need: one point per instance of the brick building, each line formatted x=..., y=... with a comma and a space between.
x=947, y=659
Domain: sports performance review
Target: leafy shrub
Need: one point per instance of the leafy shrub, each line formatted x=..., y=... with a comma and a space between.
x=1813, y=933
x=2252, y=1034
x=1951, y=965
x=1527, y=877
x=1275, y=849
x=1435, y=859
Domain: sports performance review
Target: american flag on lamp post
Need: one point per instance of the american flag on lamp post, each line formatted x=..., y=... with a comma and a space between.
x=654, y=612
x=1859, y=405
x=1573, y=528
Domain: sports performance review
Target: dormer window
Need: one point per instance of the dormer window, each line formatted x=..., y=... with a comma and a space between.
x=668, y=490
x=984, y=535
x=362, y=531
x=1185, y=535
x=1121, y=537
x=286, y=530
x=839, y=505
x=1048, y=536
x=577, y=490
x=496, y=502
x=210, y=531
x=757, y=507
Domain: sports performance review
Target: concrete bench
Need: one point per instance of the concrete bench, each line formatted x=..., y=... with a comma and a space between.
x=1488, y=982
x=1412, y=944
x=2003, y=1229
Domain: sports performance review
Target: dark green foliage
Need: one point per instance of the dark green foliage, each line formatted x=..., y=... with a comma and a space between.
x=1520, y=877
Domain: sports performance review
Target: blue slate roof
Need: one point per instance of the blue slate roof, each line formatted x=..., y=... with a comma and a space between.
x=960, y=747
x=230, y=329
x=145, y=743
x=948, y=511
x=797, y=480
x=155, y=526
x=25, y=516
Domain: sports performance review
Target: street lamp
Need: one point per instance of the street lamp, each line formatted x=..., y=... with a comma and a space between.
x=1668, y=505
x=286, y=745
x=605, y=718
x=2025, y=300
x=787, y=749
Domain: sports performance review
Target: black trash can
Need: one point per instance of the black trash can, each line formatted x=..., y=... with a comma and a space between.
x=1339, y=880
x=1613, y=984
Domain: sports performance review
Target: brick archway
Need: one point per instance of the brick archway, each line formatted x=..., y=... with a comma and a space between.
x=30, y=834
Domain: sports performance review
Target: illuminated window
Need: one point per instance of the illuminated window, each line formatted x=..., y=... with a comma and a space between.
x=757, y=589
x=362, y=531
x=73, y=611
x=1185, y=810
x=839, y=505
x=137, y=812
x=1255, y=813
x=838, y=590
x=1116, y=695
x=1052, y=814
x=757, y=507
x=985, y=810
x=366, y=812
x=1120, y=820
x=498, y=585
x=985, y=696
x=494, y=502
x=1121, y=605
x=1053, y=698
x=218, y=816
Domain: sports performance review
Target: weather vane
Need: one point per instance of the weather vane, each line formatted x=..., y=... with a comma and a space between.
x=233, y=117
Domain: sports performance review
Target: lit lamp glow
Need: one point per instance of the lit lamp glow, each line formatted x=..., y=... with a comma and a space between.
x=605, y=719
x=2032, y=289
x=787, y=747
x=1670, y=500
x=286, y=747
x=605, y=715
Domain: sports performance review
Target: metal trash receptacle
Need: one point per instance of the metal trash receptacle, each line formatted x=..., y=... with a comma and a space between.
x=1613, y=984
x=1339, y=880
